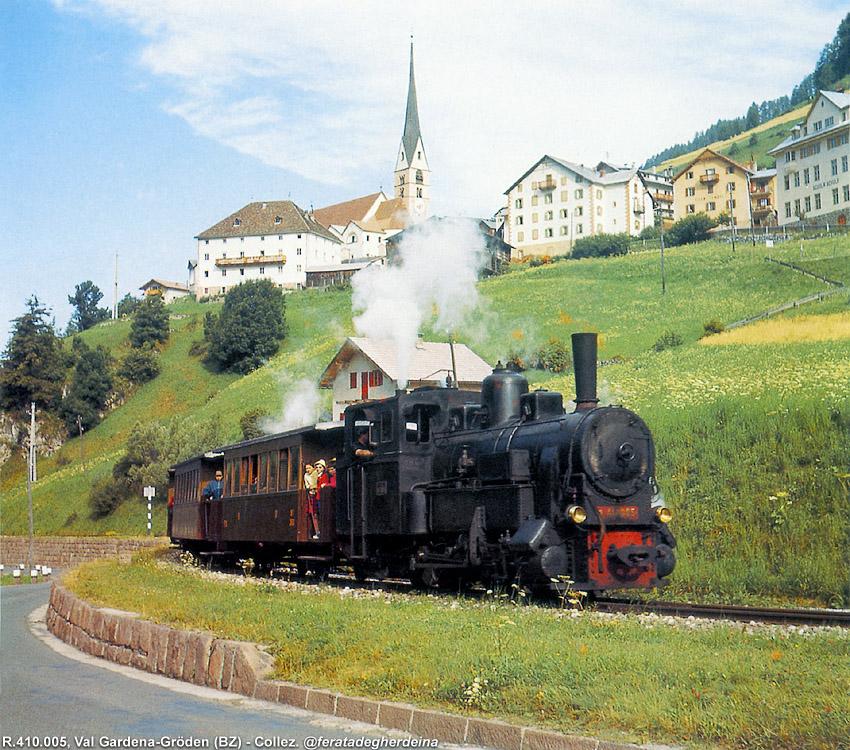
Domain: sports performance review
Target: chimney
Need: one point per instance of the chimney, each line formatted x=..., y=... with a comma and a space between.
x=584, y=366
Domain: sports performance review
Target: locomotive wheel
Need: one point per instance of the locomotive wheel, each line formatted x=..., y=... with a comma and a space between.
x=425, y=579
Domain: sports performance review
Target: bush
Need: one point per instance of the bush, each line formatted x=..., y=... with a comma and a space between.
x=150, y=323
x=601, y=246
x=105, y=496
x=249, y=423
x=140, y=365
x=712, y=326
x=554, y=356
x=667, y=341
x=691, y=229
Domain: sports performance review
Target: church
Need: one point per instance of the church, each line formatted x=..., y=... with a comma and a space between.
x=294, y=248
x=364, y=224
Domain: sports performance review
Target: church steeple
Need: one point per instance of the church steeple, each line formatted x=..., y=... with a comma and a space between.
x=412, y=176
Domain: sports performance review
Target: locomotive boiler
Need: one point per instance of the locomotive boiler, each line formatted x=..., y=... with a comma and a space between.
x=443, y=486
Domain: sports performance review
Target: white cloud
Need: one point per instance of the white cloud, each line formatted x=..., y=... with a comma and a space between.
x=319, y=88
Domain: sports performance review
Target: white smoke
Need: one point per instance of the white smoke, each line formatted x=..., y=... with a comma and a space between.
x=300, y=409
x=438, y=266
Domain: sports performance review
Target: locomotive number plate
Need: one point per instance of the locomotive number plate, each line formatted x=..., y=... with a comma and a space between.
x=625, y=512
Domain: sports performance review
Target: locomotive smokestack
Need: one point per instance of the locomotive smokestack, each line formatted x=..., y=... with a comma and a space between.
x=584, y=366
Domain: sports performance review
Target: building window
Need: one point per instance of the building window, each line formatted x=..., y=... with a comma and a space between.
x=796, y=179
x=548, y=232
x=579, y=193
x=835, y=196
x=534, y=234
x=223, y=272
x=816, y=172
x=518, y=220
x=579, y=211
x=846, y=192
x=833, y=165
x=241, y=271
x=710, y=206
x=376, y=378
x=579, y=229
x=518, y=203
x=534, y=200
x=565, y=196
x=565, y=213
x=807, y=202
x=565, y=230
x=549, y=216
x=817, y=202
x=206, y=274
x=547, y=198
x=690, y=192
x=520, y=236
x=262, y=270
x=806, y=176
x=788, y=210
x=352, y=380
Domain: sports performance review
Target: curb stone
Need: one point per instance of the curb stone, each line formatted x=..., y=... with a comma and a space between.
x=245, y=668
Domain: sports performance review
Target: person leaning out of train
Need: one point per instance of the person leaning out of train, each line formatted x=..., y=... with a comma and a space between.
x=321, y=477
x=213, y=489
x=331, y=474
x=311, y=485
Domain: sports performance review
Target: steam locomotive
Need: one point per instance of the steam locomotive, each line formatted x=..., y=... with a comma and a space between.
x=441, y=486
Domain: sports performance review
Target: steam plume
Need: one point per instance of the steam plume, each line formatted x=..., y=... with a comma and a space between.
x=437, y=269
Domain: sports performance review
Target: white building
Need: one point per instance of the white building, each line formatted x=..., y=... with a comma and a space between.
x=557, y=202
x=812, y=170
x=273, y=240
x=168, y=290
x=369, y=369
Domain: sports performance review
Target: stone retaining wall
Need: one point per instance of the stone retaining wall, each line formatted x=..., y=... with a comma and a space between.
x=244, y=668
x=69, y=551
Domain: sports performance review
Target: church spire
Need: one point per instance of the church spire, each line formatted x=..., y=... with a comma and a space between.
x=411, y=120
x=412, y=176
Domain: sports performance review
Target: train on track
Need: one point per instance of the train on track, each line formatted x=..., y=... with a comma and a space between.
x=442, y=486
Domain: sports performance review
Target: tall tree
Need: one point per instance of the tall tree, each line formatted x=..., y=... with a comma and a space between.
x=86, y=312
x=150, y=323
x=32, y=368
x=250, y=327
x=89, y=387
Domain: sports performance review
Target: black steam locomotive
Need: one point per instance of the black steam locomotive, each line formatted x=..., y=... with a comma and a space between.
x=441, y=486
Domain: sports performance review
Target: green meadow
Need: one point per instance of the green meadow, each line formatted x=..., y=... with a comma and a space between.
x=752, y=438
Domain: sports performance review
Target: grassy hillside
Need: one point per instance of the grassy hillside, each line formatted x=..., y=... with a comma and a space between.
x=752, y=434
x=744, y=148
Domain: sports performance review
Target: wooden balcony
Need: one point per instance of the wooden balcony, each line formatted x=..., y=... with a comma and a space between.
x=547, y=184
x=709, y=179
x=663, y=197
x=251, y=260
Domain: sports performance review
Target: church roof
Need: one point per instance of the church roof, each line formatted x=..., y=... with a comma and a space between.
x=411, y=134
x=357, y=209
x=266, y=217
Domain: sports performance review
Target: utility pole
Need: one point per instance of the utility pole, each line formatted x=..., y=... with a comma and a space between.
x=31, y=476
x=115, y=291
x=656, y=211
x=82, y=446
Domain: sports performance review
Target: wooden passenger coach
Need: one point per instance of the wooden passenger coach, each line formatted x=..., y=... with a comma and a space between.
x=263, y=502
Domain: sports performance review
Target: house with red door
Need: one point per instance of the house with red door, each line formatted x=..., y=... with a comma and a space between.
x=369, y=369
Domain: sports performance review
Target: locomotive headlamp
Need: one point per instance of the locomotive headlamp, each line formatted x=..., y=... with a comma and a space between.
x=577, y=514
x=664, y=514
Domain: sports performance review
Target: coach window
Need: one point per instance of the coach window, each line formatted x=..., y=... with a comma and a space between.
x=272, y=471
x=264, y=473
x=283, y=469
x=294, y=467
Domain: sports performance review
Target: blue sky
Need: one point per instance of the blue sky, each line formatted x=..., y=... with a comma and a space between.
x=133, y=125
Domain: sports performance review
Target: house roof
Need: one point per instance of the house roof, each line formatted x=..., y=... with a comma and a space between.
x=709, y=152
x=340, y=214
x=429, y=361
x=165, y=285
x=579, y=169
x=838, y=98
x=267, y=217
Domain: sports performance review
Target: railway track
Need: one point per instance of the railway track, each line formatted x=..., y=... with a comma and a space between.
x=812, y=617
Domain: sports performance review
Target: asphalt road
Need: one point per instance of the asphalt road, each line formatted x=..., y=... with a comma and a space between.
x=53, y=696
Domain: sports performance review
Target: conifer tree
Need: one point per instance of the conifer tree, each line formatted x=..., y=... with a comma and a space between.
x=32, y=368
